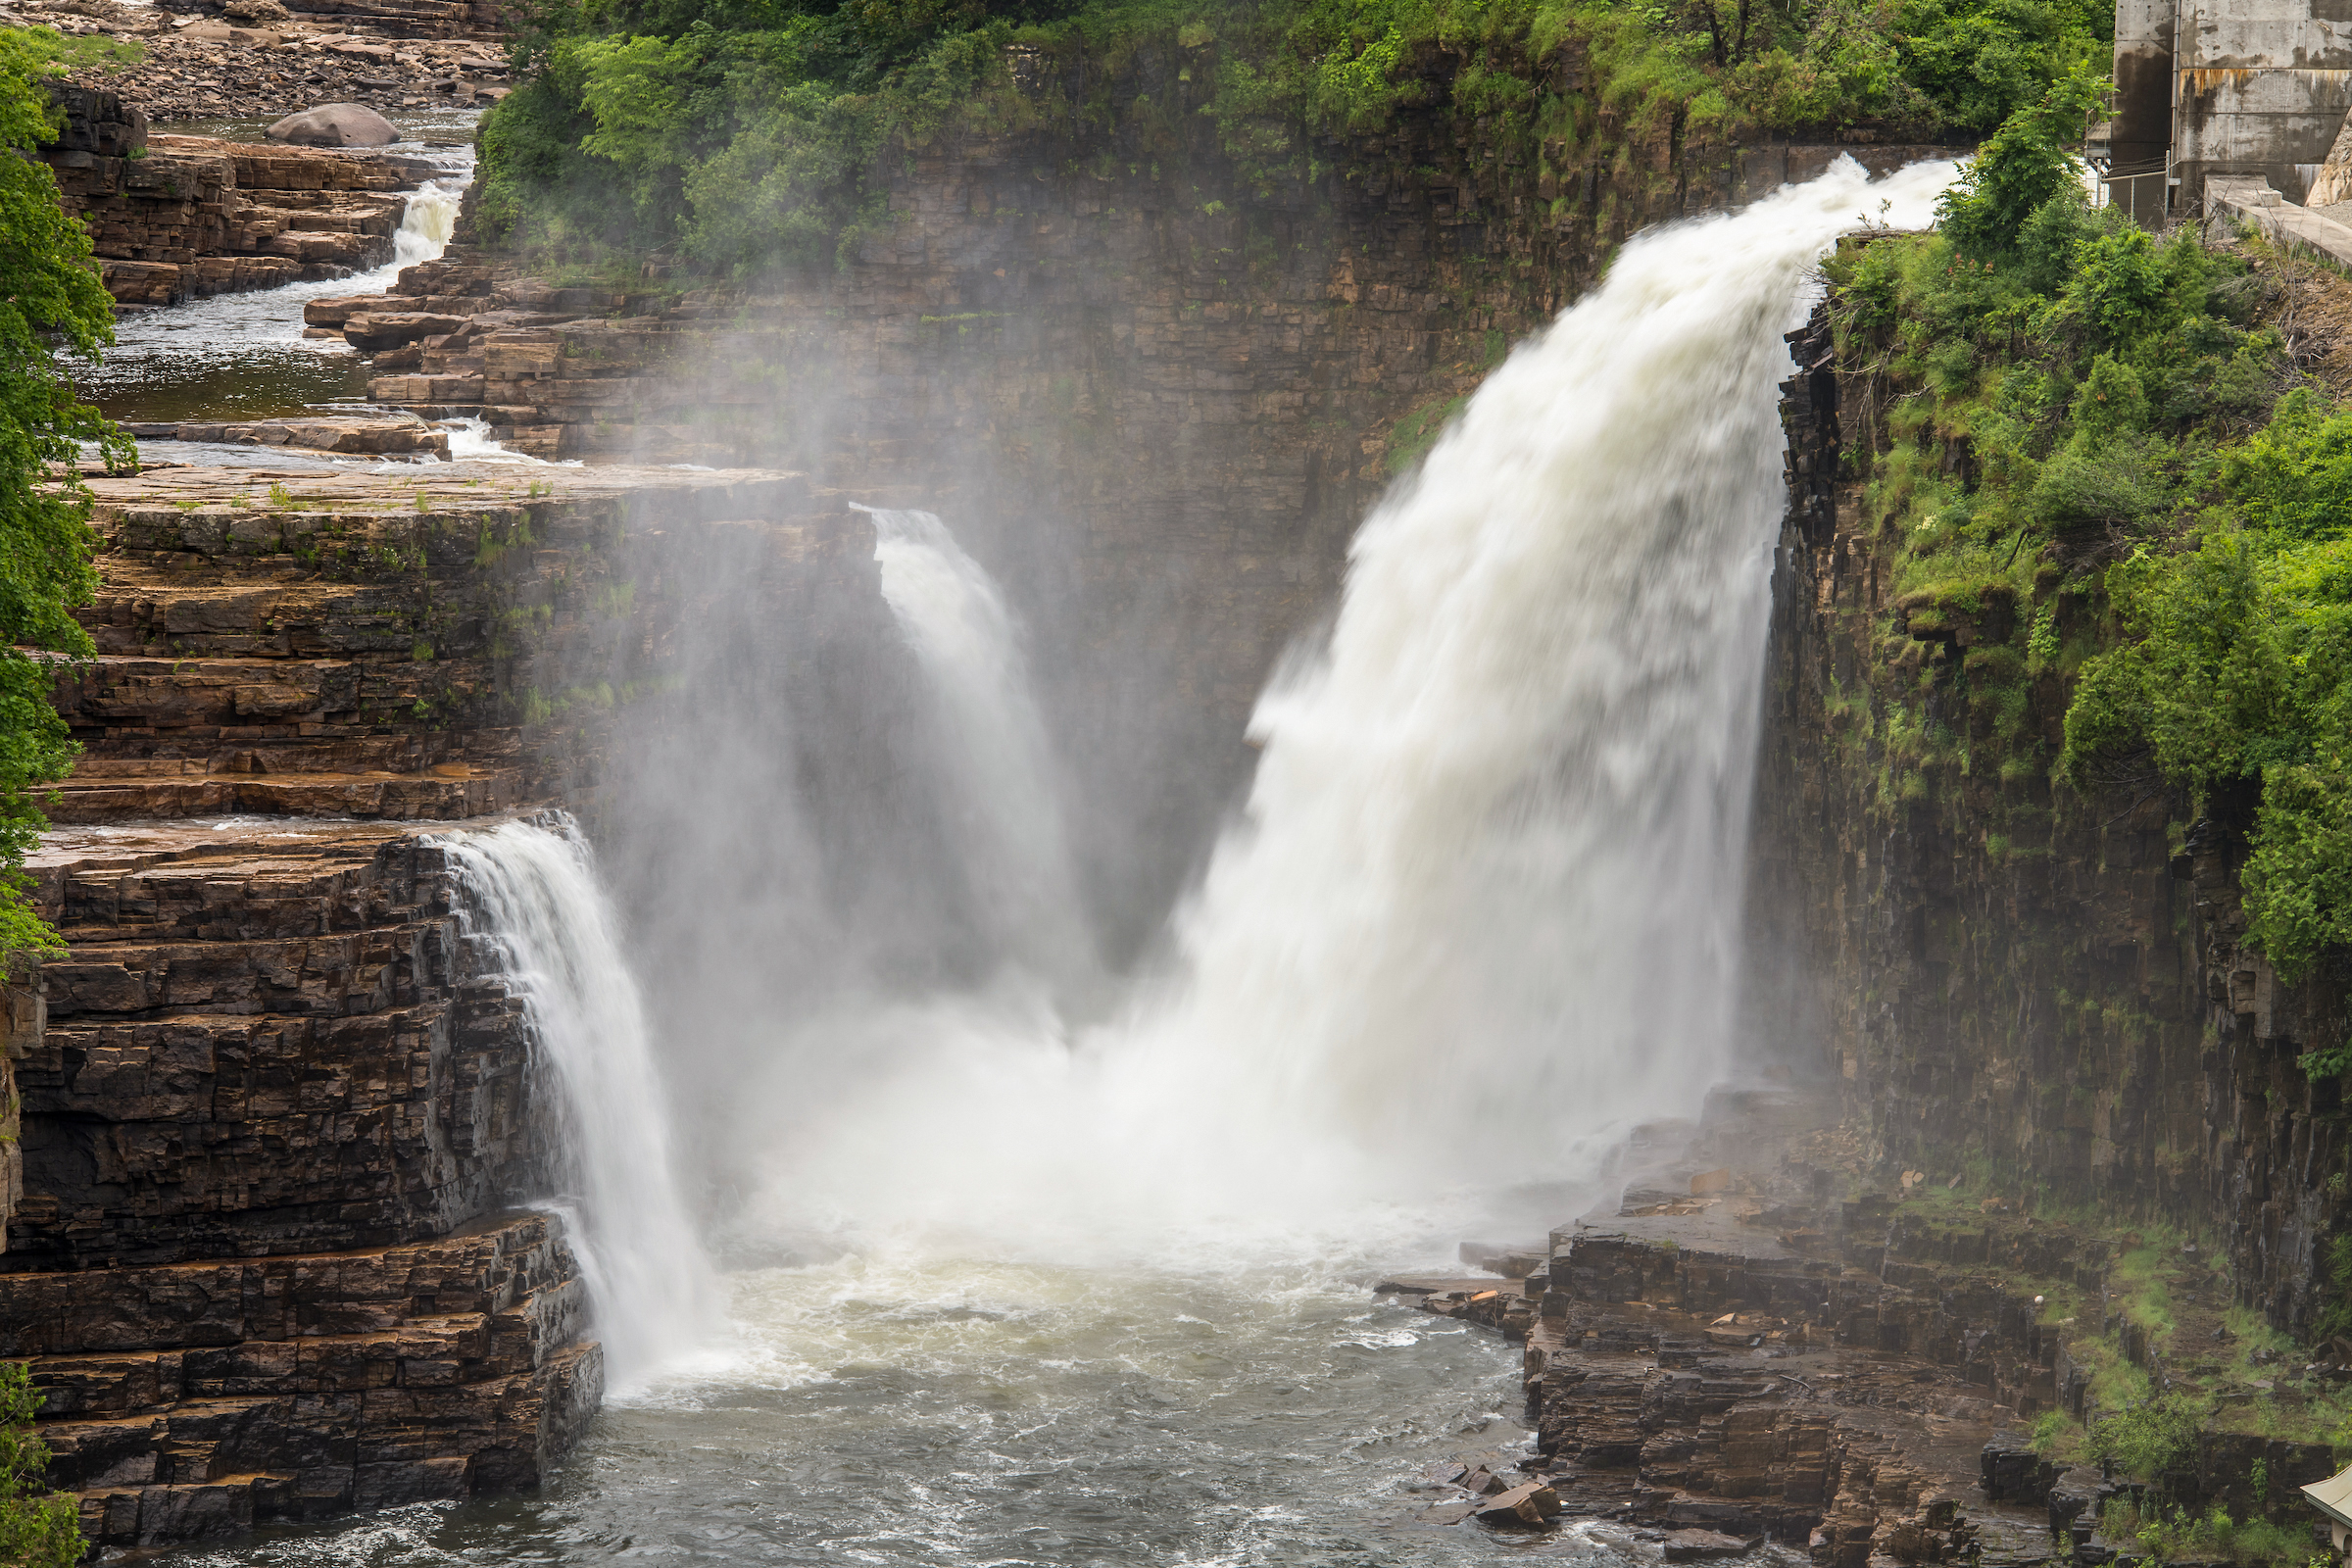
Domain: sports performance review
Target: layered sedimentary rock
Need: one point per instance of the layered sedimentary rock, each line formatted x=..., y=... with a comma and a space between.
x=1773, y=1349
x=174, y=217
x=2001, y=973
x=261, y=1248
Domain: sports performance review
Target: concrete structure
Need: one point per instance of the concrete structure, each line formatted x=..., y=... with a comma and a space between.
x=2334, y=1498
x=2238, y=87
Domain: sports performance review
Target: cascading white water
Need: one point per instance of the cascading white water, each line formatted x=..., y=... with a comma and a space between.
x=431, y=218
x=1001, y=780
x=1483, y=912
x=537, y=899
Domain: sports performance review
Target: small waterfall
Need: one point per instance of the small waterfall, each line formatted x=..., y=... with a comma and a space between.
x=1006, y=797
x=431, y=218
x=537, y=899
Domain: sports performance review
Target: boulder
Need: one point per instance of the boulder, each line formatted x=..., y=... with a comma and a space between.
x=372, y=332
x=1534, y=1503
x=1697, y=1545
x=335, y=126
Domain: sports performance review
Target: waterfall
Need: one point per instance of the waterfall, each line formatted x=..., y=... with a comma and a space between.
x=998, y=772
x=536, y=899
x=428, y=221
x=1482, y=913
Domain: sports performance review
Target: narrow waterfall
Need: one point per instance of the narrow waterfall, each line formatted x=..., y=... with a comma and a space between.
x=537, y=900
x=428, y=221
x=1481, y=915
x=997, y=771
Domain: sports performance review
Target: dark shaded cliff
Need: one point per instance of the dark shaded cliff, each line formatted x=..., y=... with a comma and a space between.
x=2045, y=991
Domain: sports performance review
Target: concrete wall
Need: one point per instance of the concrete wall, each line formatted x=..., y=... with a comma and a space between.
x=2230, y=87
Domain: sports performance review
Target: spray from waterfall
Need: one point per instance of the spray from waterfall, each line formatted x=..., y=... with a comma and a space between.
x=996, y=769
x=1481, y=915
x=537, y=901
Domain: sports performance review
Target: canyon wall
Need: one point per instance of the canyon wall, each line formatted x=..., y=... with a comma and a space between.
x=2045, y=992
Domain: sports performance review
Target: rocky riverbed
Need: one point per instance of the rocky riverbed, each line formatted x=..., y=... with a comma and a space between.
x=263, y=61
x=1758, y=1341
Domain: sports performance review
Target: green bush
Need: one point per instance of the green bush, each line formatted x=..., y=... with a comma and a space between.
x=51, y=302
x=39, y=1528
x=747, y=133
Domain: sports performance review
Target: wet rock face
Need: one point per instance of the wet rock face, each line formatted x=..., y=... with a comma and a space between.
x=2000, y=975
x=196, y=1400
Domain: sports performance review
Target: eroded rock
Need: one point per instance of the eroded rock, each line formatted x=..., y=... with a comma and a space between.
x=335, y=126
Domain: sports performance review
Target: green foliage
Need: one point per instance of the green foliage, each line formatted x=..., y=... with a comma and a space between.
x=2178, y=1535
x=38, y=1528
x=2150, y=1441
x=50, y=301
x=2020, y=169
x=740, y=134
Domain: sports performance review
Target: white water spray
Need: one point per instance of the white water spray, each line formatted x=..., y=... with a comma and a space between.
x=651, y=1289
x=1483, y=914
x=1004, y=787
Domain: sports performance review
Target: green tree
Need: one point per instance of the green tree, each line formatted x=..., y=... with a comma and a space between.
x=2021, y=166
x=39, y=1528
x=51, y=304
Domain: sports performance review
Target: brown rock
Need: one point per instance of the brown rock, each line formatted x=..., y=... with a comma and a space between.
x=335, y=126
x=1534, y=1503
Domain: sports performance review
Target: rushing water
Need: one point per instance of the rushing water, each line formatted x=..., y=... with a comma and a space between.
x=244, y=356
x=1010, y=1286
x=996, y=771
x=536, y=900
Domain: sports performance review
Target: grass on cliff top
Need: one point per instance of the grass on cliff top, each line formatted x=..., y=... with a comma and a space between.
x=739, y=134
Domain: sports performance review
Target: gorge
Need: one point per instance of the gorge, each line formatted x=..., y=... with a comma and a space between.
x=862, y=926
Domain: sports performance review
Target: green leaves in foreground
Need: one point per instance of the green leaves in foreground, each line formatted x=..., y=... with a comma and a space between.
x=39, y=1528
x=51, y=302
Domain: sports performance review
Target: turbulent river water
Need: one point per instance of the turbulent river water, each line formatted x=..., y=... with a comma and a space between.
x=1059, y=1269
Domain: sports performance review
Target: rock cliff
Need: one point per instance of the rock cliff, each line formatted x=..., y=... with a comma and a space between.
x=261, y=1246
x=2008, y=979
x=174, y=217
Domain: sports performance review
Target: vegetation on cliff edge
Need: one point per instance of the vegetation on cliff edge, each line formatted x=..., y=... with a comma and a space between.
x=51, y=302
x=2101, y=471
x=737, y=135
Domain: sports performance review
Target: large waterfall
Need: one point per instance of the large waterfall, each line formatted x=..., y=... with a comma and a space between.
x=1009, y=1279
x=1481, y=914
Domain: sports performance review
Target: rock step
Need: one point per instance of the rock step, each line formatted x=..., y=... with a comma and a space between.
x=286, y=980
x=214, y=1470
x=251, y=696
x=452, y=792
